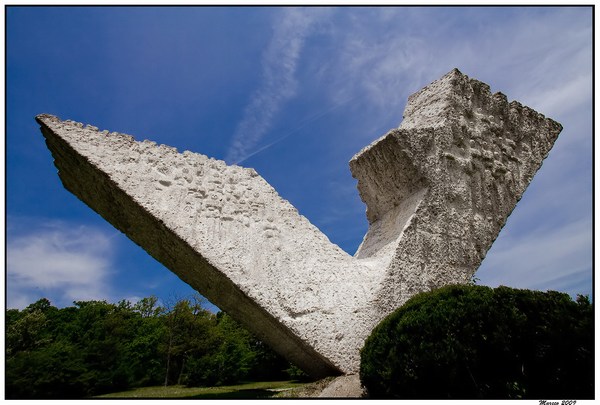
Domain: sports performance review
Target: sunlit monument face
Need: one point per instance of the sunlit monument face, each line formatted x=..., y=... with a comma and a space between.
x=438, y=190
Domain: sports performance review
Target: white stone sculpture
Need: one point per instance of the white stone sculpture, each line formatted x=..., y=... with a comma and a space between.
x=438, y=190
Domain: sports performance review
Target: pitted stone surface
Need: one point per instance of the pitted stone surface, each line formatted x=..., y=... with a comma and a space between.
x=438, y=190
x=458, y=164
x=227, y=233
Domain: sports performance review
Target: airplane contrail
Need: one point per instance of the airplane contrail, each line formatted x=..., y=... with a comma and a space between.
x=301, y=125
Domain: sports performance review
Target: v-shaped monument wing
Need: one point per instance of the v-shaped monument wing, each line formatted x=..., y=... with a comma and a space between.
x=438, y=191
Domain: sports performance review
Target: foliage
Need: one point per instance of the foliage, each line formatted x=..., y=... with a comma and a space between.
x=95, y=347
x=478, y=342
x=296, y=373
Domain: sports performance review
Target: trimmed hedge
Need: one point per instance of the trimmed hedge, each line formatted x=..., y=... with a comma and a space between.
x=477, y=342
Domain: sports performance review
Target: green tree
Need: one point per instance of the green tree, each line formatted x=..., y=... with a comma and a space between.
x=25, y=331
x=147, y=307
x=52, y=372
x=96, y=347
x=189, y=334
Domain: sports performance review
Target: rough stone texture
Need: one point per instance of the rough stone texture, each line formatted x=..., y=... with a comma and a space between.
x=225, y=231
x=438, y=190
x=345, y=386
x=309, y=390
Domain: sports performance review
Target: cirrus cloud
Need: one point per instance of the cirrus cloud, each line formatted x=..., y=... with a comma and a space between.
x=279, y=83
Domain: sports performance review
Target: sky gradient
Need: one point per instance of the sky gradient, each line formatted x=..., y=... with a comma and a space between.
x=294, y=93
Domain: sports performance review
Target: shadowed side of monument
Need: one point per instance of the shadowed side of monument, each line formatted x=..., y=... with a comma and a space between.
x=99, y=190
x=438, y=190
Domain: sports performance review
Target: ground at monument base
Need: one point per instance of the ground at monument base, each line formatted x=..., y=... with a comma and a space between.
x=330, y=387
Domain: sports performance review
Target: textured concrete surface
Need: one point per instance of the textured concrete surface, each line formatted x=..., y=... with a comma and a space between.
x=438, y=190
x=344, y=386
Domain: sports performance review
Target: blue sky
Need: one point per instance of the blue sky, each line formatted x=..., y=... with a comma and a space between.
x=293, y=93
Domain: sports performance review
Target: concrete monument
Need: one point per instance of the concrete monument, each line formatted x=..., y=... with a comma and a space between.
x=438, y=190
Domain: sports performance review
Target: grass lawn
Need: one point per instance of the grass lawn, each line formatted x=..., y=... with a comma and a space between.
x=249, y=390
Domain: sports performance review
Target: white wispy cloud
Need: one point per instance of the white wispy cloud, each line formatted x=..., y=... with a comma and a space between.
x=279, y=83
x=541, y=58
x=565, y=96
x=376, y=60
x=59, y=261
x=547, y=258
x=550, y=59
x=383, y=55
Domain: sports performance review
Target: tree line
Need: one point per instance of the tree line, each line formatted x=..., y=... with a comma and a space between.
x=96, y=347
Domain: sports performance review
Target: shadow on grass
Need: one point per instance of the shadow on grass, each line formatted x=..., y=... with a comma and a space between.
x=237, y=394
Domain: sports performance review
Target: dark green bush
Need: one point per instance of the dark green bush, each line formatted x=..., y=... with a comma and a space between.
x=478, y=342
